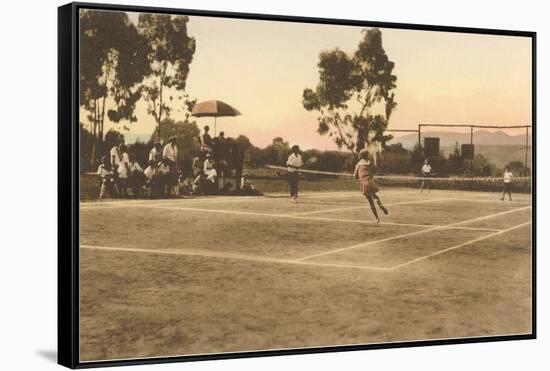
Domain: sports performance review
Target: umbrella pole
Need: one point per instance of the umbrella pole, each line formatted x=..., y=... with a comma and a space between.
x=215, y=133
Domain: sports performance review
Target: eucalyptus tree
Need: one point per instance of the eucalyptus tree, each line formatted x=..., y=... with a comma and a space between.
x=351, y=92
x=170, y=54
x=113, y=63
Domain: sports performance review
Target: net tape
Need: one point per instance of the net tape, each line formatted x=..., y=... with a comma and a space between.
x=404, y=177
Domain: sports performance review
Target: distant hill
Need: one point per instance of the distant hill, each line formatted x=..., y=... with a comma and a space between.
x=482, y=137
x=498, y=155
x=131, y=138
x=497, y=147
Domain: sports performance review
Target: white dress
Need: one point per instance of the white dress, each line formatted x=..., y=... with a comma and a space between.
x=210, y=171
x=123, y=166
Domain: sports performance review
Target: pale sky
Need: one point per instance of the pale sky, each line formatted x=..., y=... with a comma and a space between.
x=262, y=67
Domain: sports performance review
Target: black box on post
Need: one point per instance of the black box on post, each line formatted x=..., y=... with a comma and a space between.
x=467, y=151
x=431, y=147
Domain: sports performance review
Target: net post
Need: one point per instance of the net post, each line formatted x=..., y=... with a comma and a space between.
x=526, y=146
x=472, y=159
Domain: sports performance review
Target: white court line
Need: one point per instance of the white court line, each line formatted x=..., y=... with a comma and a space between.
x=458, y=246
x=214, y=198
x=200, y=199
x=104, y=204
x=287, y=261
x=355, y=194
x=366, y=244
x=449, y=226
x=211, y=254
x=180, y=201
x=492, y=215
x=329, y=194
x=223, y=199
x=367, y=206
x=491, y=200
x=284, y=261
x=343, y=194
x=320, y=219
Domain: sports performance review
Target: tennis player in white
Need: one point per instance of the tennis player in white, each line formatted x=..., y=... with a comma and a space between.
x=508, y=179
x=294, y=163
x=426, y=172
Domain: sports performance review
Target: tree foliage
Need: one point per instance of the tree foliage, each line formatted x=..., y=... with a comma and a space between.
x=170, y=54
x=112, y=64
x=396, y=159
x=87, y=141
x=350, y=89
x=518, y=168
x=456, y=164
x=277, y=152
x=112, y=138
x=482, y=167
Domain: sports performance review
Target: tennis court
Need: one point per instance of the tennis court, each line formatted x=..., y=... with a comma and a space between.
x=225, y=274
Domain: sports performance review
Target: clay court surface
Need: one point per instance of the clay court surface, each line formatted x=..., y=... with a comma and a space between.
x=227, y=274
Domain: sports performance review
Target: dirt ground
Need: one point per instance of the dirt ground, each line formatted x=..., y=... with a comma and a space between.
x=210, y=275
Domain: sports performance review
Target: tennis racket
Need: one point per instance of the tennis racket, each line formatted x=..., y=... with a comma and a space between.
x=311, y=160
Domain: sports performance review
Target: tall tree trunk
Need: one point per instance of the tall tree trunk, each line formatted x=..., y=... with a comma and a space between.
x=104, y=98
x=94, y=134
x=343, y=137
x=102, y=118
x=159, y=116
x=160, y=112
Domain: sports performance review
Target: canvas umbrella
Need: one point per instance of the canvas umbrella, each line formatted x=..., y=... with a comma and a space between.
x=214, y=108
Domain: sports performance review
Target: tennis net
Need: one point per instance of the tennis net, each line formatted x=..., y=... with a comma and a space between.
x=483, y=184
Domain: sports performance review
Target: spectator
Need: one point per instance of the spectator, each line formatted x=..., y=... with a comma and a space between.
x=221, y=155
x=123, y=170
x=206, y=141
x=196, y=167
x=163, y=170
x=220, y=147
x=107, y=178
x=156, y=152
x=247, y=186
x=210, y=169
x=198, y=177
x=152, y=180
x=136, y=178
x=170, y=157
x=115, y=155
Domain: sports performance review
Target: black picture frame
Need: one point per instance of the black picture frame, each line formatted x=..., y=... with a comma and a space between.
x=68, y=185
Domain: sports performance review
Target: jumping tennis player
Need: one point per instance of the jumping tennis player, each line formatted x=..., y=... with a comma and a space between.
x=294, y=163
x=364, y=171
